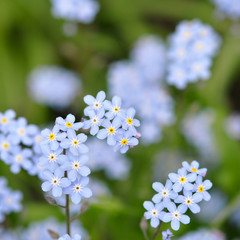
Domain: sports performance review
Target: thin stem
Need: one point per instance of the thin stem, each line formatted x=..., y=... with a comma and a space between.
x=68, y=222
x=157, y=231
x=145, y=235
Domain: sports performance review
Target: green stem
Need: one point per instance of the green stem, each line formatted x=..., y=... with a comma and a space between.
x=157, y=231
x=68, y=222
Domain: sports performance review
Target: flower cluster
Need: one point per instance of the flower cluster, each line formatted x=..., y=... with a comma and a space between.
x=197, y=128
x=114, y=164
x=83, y=11
x=53, y=86
x=192, y=47
x=185, y=188
x=10, y=201
x=139, y=83
x=63, y=160
x=229, y=8
x=19, y=143
x=108, y=120
x=204, y=234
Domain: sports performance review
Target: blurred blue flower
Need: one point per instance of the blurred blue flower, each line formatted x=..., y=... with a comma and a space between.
x=67, y=237
x=83, y=11
x=166, y=235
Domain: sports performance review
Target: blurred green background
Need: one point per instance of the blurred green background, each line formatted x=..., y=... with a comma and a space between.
x=30, y=36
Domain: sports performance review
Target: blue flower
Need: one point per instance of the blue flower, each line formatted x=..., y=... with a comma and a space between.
x=189, y=200
x=20, y=158
x=166, y=235
x=114, y=107
x=75, y=143
x=6, y=119
x=129, y=123
x=52, y=137
x=78, y=189
x=202, y=187
x=165, y=193
x=11, y=201
x=67, y=237
x=154, y=212
x=75, y=167
x=194, y=168
x=110, y=130
x=53, y=86
x=182, y=180
x=95, y=121
x=68, y=123
x=83, y=11
x=51, y=159
x=175, y=216
x=6, y=147
x=22, y=133
x=124, y=141
x=55, y=182
x=94, y=103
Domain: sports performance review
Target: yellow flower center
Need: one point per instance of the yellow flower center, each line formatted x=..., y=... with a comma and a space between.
x=182, y=179
x=52, y=136
x=200, y=188
x=75, y=142
x=116, y=109
x=200, y=46
x=77, y=188
x=111, y=130
x=68, y=124
x=4, y=120
x=21, y=131
x=124, y=141
x=5, y=145
x=52, y=157
x=129, y=121
x=19, y=158
x=194, y=169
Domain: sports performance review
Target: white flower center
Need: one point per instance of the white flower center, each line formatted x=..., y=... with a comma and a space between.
x=188, y=201
x=77, y=188
x=75, y=165
x=154, y=212
x=38, y=138
x=176, y=215
x=165, y=193
x=18, y=158
x=95, y=120
x=97, y=105
x=52, y=157
x=21, y=131
x=55, y=181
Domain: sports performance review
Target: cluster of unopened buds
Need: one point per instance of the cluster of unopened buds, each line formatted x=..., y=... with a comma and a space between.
x=185, y=188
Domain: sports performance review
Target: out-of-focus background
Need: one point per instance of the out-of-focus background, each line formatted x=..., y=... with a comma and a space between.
x=199, y=122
